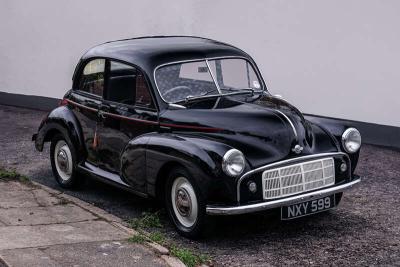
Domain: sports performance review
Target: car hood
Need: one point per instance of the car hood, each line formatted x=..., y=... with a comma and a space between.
x=265, y=130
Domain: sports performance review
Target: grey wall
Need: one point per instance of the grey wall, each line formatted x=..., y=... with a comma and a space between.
x=333, y=58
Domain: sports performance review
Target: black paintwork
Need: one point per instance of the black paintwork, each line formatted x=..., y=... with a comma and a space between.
x=138, y=145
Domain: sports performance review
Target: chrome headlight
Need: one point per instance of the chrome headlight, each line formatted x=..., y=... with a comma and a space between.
x=233, y=162
x=351, y=140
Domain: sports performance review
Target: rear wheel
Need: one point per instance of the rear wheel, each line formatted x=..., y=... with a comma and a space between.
x=63, y=161
x=185, y=205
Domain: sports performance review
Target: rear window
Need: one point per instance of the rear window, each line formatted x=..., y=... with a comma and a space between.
x=92, y=78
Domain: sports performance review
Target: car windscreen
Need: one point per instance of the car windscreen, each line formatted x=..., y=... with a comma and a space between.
x=178, y=81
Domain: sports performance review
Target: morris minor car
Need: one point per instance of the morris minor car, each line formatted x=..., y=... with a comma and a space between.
x=190, y=121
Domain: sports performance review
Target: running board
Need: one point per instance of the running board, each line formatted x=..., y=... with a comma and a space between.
x=108, y=177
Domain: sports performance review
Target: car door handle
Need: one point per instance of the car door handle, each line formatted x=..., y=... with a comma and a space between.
x=102, y=114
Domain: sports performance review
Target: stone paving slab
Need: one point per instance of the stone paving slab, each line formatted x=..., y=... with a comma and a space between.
x=13, y=186
x=27, y=257
x=12, y=237
x=111, y=253
x=45, y=215
x=14, y=199
x=27, y=198
x=44, y=198
x=43, y=227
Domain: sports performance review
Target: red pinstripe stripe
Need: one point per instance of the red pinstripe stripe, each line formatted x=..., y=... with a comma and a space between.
x=192, y=127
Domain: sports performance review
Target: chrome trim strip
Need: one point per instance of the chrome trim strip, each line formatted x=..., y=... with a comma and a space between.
x=176, y=106
x=216, y=210
x=281, y=163
x=108, y=177
x=291, y=124
x=204, y=59
x=105, y=174
x=213, y=77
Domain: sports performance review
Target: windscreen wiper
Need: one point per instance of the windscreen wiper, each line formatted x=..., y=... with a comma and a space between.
x=252, y=90
x=236, y=92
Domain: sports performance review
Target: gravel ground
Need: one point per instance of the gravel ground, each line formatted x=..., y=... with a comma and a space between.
x=363, y=230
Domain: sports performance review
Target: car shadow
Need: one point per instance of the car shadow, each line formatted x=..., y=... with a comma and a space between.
x=267, y=230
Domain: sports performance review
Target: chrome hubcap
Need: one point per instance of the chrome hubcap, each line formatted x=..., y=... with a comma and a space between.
x=63, y=160
x=184, y=202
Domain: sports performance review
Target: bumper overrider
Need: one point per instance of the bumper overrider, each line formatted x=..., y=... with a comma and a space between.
x=288, y=200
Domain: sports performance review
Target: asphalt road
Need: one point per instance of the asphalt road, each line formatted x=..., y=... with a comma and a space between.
x=363, y=230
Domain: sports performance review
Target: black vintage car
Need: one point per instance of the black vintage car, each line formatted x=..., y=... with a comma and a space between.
x=189, y=120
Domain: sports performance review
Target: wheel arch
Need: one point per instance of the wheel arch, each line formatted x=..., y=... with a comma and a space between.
x=199, y=156
x=61, y=120
x=162, y=176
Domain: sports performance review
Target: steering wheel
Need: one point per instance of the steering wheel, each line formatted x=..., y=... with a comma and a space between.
x=176, y=89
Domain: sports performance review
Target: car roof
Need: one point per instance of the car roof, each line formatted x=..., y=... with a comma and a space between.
x=150, y=52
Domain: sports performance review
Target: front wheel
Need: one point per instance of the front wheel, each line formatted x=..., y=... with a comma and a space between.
x=185, y=205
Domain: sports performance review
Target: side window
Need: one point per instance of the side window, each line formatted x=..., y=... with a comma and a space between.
x=143, y=97
x=92, y=78
x=127, y=85
x=121, y=83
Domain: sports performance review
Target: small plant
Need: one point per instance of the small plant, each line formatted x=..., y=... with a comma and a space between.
x=152, y=220
x=4, y=174
x=139, y=238
x=157, y=237
x=188, y=257
x=12, y=175
x=148, y=220
x=63, y=201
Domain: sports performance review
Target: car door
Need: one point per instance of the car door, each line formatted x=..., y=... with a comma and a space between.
x=87, y=97
x=127, y=112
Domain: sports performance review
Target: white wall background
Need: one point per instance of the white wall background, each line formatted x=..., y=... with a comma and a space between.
x=334, y=58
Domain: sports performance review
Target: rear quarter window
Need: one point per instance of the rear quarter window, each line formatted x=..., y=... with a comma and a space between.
x=92, y=77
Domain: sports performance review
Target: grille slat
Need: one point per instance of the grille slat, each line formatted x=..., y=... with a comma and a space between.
x=298, y=178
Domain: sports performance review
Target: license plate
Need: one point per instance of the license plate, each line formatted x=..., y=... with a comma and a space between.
x=307, y=208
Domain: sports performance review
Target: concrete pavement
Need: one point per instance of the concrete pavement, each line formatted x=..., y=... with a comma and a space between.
x=41, y=227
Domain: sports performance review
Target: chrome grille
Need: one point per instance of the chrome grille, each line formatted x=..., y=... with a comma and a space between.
x=298, y=178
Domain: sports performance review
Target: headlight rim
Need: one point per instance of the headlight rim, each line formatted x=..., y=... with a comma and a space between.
x=225, y=161
x=345, y=139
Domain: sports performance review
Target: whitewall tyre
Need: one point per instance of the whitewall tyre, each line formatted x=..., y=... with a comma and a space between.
x=185, y=205
x=63, y=161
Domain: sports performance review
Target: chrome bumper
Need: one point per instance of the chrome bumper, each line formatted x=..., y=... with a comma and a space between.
x=223, y=210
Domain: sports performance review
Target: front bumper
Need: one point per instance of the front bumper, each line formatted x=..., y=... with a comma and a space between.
x=231, y=210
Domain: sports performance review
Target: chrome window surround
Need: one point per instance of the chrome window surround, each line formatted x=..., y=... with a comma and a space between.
x=278, y=163
x=206, y=60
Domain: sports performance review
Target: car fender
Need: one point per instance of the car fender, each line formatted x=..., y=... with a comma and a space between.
x=201, y=156
x=62, y=120
x=335, y=130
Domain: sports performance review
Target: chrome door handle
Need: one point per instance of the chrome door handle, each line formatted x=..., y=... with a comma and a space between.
x=102, y=115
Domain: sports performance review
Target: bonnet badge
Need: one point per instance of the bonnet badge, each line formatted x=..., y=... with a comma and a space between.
x=297, y=149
